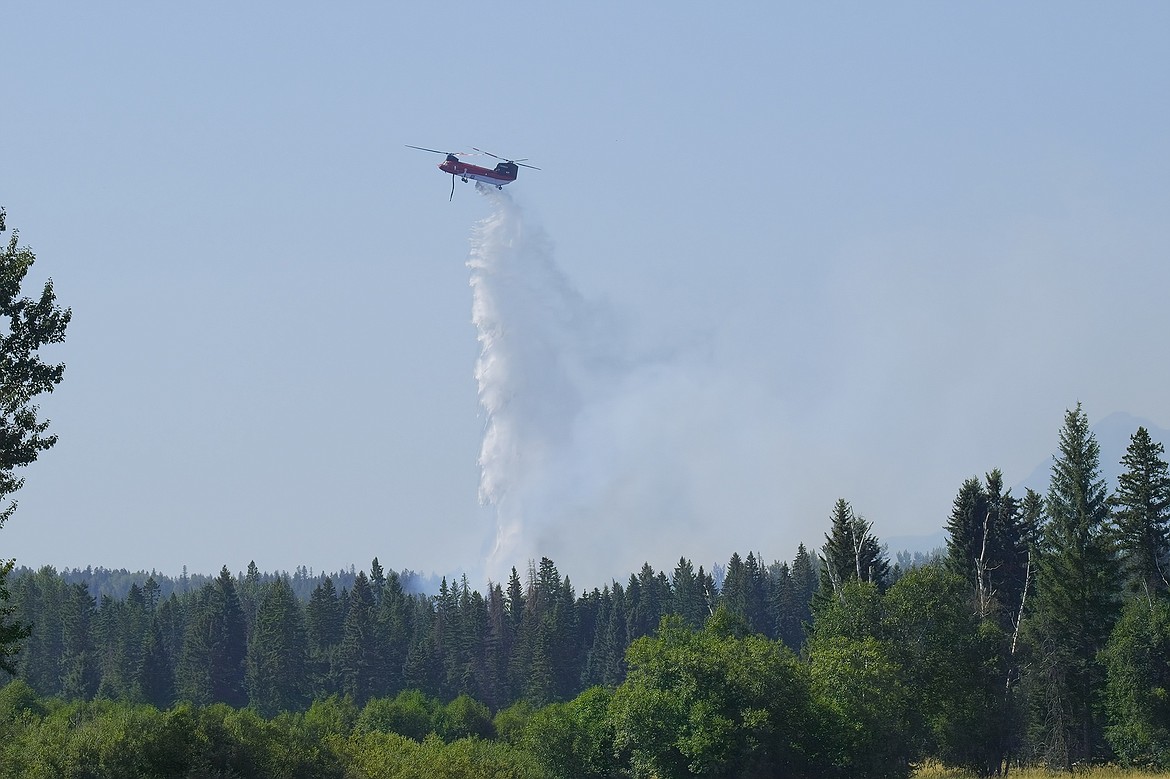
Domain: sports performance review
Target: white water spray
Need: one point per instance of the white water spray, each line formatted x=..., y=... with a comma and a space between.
x=595, y=456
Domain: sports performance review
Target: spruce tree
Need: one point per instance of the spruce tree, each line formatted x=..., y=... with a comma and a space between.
x=686, y=596
x=987, y=547
x=1142, y=515
x=1076, y=602
x=851, y=552
x=277, y=652
x=155, y=681
x=358, y=656
x=211, y=667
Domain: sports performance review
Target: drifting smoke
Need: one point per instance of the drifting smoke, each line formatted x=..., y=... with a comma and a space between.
x=595, y=454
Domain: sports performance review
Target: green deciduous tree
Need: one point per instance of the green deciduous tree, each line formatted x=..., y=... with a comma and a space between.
x=1137, y=661
x=713, y=703
x=26, y=325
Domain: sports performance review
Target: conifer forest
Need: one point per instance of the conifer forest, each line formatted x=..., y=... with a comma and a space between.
x=1039, y=636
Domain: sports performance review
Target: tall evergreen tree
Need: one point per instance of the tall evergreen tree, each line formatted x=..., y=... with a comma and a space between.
x=79, y=673
x=1076, y=602
x=851, y=552
x=155, y=681
x=686, y=597
x=987, y=546
x=1142, y=514
x=651, y=602
x=277, y=652
x=358, y=653
x=211, y=667
x=41, y=597
x=394, y=631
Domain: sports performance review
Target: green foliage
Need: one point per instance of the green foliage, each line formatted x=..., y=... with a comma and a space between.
x=464, y=717
x=377, y=755
x=574, y=740
x=857, y=682
x=26, y=325
x=951, y=666
x=11, y=632
x=511, y=723
x=1137, y=661
x=710, y=702
x=411, y=714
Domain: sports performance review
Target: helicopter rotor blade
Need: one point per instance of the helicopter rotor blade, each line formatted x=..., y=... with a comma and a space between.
x=436, y=151
x=519, y=162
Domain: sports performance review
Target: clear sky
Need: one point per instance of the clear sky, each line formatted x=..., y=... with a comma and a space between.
x=878, y=249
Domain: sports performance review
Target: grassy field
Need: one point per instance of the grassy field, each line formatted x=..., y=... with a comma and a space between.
x=935, y=771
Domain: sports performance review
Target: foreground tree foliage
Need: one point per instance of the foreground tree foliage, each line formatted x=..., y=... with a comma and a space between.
x=26, y=326
x=1042, y=637
x=716, y=703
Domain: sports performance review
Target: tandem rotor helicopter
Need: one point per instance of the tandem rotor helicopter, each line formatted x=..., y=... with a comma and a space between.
x=504, y=173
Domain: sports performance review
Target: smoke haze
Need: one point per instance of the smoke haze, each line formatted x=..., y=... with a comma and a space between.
x=596, y=453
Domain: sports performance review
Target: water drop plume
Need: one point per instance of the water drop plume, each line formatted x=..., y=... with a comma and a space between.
x=595, y=453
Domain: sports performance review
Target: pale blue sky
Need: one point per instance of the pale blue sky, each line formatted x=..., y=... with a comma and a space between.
x=903, y=237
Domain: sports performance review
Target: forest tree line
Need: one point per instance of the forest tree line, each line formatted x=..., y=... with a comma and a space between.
x=1042, y=636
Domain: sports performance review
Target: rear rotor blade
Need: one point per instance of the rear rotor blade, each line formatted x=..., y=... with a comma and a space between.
x=519, y=162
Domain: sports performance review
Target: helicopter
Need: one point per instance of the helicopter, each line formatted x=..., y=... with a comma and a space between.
x=504, y=173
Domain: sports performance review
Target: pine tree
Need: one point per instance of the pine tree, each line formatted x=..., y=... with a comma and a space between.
x=1076, y=603
x=1142, y=514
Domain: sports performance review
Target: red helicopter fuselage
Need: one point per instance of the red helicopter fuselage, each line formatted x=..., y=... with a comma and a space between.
x=504, y=173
